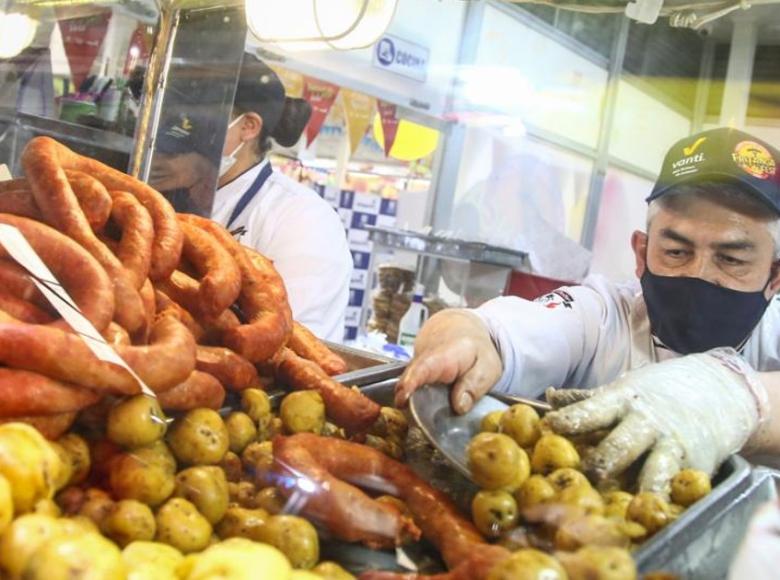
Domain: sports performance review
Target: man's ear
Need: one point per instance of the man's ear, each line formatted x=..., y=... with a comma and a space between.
x=639, y=245
x=774, y=280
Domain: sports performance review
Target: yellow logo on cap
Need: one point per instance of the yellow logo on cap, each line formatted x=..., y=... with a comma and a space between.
x=754, y=159
x=186, y=124
x=692, y=149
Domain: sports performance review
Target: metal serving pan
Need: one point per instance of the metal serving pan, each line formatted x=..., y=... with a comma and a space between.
x=703, y=542
x=365, y=367
x=698, y=546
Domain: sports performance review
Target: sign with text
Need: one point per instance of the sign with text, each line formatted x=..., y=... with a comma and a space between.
x=402, y=57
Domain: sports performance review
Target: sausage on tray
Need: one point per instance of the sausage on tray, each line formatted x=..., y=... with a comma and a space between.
x=81, y=275
x=220, y=277
x=232, y=370
x=348, y=408
x=199, y=390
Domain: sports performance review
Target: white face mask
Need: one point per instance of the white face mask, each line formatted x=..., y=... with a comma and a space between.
x=229, y=161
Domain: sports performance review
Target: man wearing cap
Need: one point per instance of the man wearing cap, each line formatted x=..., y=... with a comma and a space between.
x=182, y=167
x=284, y=220
x=683, y=364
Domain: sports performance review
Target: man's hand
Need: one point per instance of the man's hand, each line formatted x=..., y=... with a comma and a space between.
x=693, y=411
x=454, y=346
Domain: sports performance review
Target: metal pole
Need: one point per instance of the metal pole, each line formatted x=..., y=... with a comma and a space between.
x=601, y=163
x=159, y=63
x=703, y=86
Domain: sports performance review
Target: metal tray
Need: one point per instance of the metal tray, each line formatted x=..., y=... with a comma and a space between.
x=447, y=247
x=365, y=367
x=698, y=546
x=702, y=543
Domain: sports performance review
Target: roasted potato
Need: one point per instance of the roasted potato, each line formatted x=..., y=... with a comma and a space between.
x=649, y=510
x=303, y=412
x=133, y=478
x=240, y=522
x=242, y=493
x=199, y=438
x=566, y=477
x=586, y=498
x=257, y=405
x=491, y=422
x=552, y=452
x=179, y=524
x=22, y=538
x=241, y=431
x=496, y=462
x=96, y=505
x=616, y=504
x=271, y=500
x=151, y=561
x=231, y=465
x=391, y=423
x=534, y=491
x=599, y=563
x=295, y=537
x=206, y=488
x=158, y=453
x=521, y=423
x=6, y=504
x=129, y=521
x=331, y=571
x=77, y=452
x=258, y=461
x=689, y=486
x=528, y=564
x=494, y=512
x=136, y=422
x=65, y=556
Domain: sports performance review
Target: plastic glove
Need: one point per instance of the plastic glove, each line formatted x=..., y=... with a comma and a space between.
x=692, y=411
x=760, y=550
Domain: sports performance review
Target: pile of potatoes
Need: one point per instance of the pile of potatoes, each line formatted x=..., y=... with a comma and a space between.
x=145, y=497
x=534, y=498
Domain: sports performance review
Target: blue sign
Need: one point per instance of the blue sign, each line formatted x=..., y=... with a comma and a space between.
x=402, y=57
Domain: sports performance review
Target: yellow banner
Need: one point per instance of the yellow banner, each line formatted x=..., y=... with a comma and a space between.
x=292, y=81
x=359, y=111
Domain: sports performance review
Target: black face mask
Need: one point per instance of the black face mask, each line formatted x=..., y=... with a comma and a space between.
x=691, y=315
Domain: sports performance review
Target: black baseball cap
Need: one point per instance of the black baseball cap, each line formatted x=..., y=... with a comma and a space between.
x=723, y=155
x=260, y=91
x=186, y=133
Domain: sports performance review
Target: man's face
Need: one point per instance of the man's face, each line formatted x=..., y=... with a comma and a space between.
x=183, y=170
x=706, y=240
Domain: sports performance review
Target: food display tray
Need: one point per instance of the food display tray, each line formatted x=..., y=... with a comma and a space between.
x=702, y=543
x=699, y=545
x=365, y=367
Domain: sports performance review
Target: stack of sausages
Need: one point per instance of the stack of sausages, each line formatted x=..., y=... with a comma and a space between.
x=187, y=307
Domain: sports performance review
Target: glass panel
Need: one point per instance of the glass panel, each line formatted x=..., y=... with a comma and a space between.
x=80, y=80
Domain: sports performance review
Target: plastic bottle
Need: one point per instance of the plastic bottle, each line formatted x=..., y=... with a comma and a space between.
x=412, y=321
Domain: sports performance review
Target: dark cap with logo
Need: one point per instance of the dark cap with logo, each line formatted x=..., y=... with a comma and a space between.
x=723, y=155
x=187, y=133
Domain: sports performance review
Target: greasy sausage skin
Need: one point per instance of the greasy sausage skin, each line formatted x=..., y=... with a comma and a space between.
x=25, y=393
x=263, y=300
x=220, y=277
x=42, y=156
x=233, y=371
x=349, y=408
x=305, y=344
x=199, y=390
x=81, y=275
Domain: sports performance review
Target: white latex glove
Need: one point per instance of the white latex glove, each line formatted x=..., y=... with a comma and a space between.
x=692, y=411
x=760, y=551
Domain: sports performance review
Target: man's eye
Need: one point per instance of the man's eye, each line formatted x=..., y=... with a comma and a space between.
x=676, y=253
x=731, y=260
